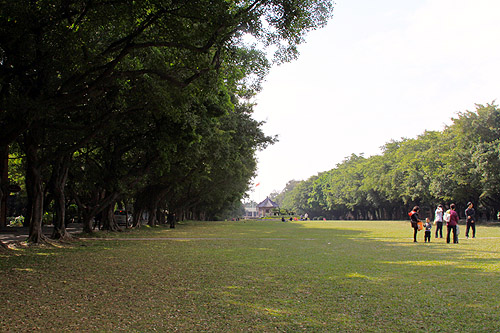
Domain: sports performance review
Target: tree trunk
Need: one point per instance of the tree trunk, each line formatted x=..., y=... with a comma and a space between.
x=4, y=182
x=86, y=213
x=137, y=218
x=98, y=204
x=57, y=184
x=3, y=246
x=29, y=200
x=152, y=217
x=87, y=221
x=3, y=205
x=161, y=216
x=108, y=221
x=35, y=183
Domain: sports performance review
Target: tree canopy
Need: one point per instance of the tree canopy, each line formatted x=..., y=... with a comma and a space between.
x=107, y=100
x=459, y=164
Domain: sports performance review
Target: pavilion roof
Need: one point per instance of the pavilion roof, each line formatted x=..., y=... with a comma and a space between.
x=267, y=203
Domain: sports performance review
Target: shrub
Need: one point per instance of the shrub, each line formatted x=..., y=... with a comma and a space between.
x=16, y=221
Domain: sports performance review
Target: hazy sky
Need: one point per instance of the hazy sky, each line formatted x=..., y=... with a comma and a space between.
x=379, y=70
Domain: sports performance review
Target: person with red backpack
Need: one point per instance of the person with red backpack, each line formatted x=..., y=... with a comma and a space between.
x=414, y=219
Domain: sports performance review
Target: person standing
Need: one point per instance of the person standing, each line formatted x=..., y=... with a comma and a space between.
x=171, y=219
x=438, y=219
x=414, y=219
x=428, y=227
x=452, y=225
x=471, y=220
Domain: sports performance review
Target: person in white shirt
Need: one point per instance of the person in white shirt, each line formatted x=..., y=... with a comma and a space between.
x=438, y=219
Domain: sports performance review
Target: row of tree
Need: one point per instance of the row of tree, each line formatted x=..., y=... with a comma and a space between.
x=140, y=102
x=459, y=164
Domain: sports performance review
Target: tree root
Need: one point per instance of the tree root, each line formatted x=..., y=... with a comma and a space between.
x=3, y=247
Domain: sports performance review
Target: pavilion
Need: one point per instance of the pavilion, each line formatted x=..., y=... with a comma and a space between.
x=266, y=207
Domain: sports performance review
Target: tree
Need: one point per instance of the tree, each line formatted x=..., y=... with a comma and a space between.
x=478, y=141
x=280, y=197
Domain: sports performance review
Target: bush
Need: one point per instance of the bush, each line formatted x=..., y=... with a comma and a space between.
x=48, y=218
x=16, y=221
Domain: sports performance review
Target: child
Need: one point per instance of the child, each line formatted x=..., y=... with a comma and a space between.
x=428, y=227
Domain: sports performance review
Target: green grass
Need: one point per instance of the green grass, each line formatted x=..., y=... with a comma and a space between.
x=257, y=276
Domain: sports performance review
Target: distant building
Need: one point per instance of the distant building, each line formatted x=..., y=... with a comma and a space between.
x=266, y=207
x=251, y=210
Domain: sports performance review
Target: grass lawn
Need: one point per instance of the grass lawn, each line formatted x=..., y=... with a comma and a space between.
x=258, y=276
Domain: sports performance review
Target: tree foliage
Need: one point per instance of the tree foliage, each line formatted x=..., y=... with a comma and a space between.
x=459, y=164
x=113, y=98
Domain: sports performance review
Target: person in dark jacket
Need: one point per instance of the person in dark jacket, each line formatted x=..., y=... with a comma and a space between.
x=428, y=228
x=414, y=219
x=471, y=220
x=171, y=219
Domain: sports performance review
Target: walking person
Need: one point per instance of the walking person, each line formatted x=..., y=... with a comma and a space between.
x=414, y=219
x=452, y=225
x=438, y=219
x=471, y=220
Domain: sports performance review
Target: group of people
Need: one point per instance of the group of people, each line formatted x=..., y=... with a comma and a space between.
x=450, y=217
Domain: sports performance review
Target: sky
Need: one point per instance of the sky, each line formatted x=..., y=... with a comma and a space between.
x=379, y=71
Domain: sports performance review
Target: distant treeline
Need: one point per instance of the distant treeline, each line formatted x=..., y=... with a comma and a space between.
x=457, y=165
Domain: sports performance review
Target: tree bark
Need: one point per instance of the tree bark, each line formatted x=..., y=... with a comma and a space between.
x=3, y=245
x=109, y=222
x=35, y=193
x=57, y=184
x=152, y=217
x=160, y=214
x=86, y=212
x=4, y=182
x=87, y=221
x=89, y=211
x=137, y=217
x=149, y=199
